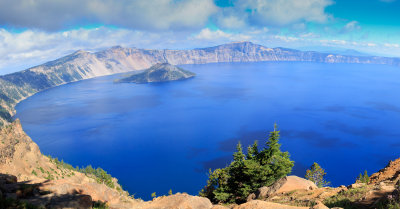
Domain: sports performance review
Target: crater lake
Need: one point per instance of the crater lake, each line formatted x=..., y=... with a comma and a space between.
x=160, y=136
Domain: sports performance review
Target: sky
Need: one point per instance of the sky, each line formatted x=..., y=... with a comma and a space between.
x=35, y=31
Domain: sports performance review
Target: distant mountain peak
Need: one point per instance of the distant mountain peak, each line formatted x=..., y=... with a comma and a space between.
x=80, y=51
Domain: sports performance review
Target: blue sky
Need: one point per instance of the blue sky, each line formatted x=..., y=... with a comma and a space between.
x=35, y=31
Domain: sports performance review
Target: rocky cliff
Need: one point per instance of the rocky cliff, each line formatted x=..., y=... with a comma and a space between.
x=27, y=175
x=83, y=65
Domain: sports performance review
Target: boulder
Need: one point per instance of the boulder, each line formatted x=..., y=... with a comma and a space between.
x=259, y=204
x=285, y=184
x=9, y=179
x=319, y=205
x=251, y=197
x=181, y=201
x=70, y=202
x=219, y=207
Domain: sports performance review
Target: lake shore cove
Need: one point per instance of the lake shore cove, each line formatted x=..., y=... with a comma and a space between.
x=29, y=176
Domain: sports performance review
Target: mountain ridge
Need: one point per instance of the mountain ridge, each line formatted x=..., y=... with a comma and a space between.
x=82, y=65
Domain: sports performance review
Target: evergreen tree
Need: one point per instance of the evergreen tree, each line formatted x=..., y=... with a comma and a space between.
x=247, y=173
x=252, y=151
x=316, y=174
x=363, y=178
x=238, y=180
x=366, y=177
x=276, y=164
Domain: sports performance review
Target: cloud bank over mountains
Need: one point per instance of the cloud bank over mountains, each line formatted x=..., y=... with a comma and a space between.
x=34, y=31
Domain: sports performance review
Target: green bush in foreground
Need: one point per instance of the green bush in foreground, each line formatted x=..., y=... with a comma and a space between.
x=247, y=173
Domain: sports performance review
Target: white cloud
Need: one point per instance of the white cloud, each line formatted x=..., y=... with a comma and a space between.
x=158, y=15
x=391, y=45
x=231, y=21
x=286, y=38
x=209, y=34
x=134, y=14
x=351, y=26
x=277, y=12
x=207, y=37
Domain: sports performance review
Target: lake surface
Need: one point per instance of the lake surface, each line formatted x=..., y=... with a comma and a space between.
x=156, y=137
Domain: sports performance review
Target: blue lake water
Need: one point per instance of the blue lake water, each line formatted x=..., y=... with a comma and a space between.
x=156, y=137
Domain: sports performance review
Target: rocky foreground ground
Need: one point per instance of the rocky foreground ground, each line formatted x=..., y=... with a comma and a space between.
x=29, y=179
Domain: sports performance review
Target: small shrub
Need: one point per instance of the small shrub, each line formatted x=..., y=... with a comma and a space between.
x=363, y=178
x=347, y=199
x=100, y=205
x=316, y=174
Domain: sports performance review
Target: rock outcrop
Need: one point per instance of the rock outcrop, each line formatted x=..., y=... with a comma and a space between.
x=258, y=204
x=390, y=173
x=181, y=201
x=319, y=205
x=25, y=174
x=284, y=185
x=161, y=72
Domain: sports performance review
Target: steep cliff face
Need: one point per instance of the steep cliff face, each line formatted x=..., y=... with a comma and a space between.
x=21, y=157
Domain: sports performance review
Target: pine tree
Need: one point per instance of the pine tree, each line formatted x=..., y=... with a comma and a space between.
x=316, y=174
x=366, y=177
x=252, y=151
x=247, y=173
x=276, y=163
x=238, y=180
x=363, y=178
